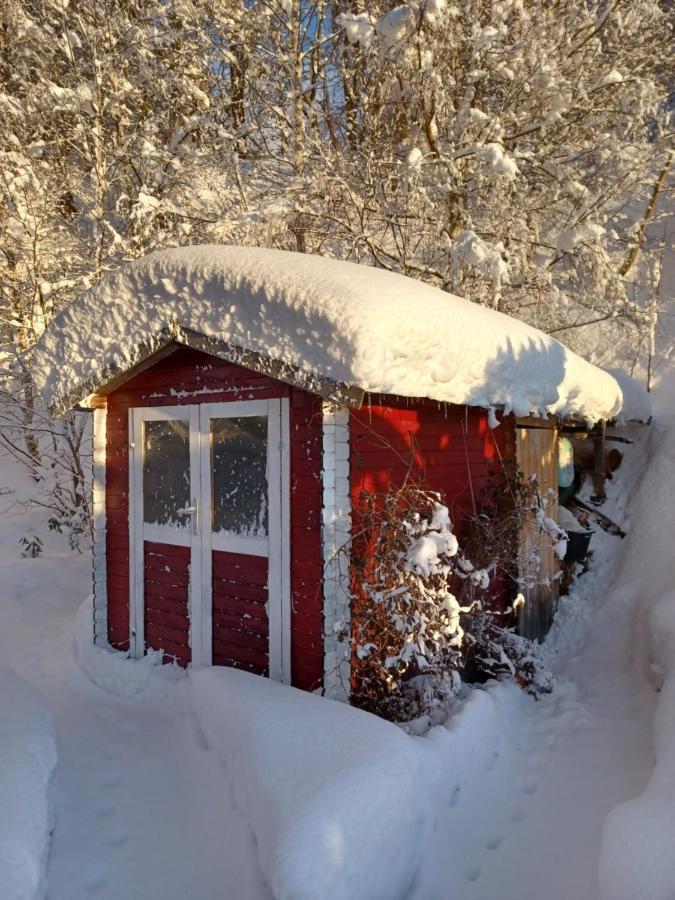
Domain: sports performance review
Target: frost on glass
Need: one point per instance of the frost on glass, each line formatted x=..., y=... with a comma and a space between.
x=239, y=473
x=166, y=472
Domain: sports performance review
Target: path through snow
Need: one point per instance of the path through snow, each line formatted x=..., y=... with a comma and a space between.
x=142, y=810
x=531, y=826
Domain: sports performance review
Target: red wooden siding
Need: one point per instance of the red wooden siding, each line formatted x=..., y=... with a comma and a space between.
x=452, y=447
x=306, y=551
x=240, y=626
x=167, y=622
x=186, y=377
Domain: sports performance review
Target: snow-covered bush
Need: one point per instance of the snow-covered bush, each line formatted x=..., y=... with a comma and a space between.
x=406, y=623
x=31, y=544
x=497, y=650
x=427, y=615
x=57, y=454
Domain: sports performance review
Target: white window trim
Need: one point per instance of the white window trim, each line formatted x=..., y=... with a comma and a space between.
x=336, y=535
x=200, y=538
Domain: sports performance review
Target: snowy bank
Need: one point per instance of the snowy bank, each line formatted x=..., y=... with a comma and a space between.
x=348, y=324
x=27, y=762
x=114, y=672
x=334, y=795
x=457, y=754
x=637, y=858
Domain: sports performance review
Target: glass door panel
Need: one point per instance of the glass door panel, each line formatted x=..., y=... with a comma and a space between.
x=239, y=505
x=164, y=543
x=166, y=473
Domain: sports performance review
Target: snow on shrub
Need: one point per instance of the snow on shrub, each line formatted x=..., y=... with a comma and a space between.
x=406, y=621
x=424, y=615
x=27, y=762
x=335, y=796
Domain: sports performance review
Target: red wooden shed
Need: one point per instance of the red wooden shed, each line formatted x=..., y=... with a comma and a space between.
x=244, y=400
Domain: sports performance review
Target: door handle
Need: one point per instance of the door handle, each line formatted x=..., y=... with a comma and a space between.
x=191, y=511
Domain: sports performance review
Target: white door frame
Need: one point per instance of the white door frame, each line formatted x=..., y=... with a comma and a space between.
x=200, y=537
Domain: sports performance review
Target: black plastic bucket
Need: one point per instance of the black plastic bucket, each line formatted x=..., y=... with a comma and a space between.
x=577, y=546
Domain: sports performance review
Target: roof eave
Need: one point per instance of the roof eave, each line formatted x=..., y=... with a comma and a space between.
x=173, y=336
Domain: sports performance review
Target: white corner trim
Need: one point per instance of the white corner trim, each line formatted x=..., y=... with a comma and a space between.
x=100, y=622
x=336, y=534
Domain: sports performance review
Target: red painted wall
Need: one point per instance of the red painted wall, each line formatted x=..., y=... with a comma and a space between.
x=452, y=447
x=166, y=579
x=186, y=377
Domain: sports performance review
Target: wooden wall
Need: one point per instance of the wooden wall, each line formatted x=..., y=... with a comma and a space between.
x=451, y=447
x=537, y=454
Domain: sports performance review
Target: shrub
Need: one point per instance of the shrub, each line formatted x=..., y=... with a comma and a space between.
x=423, y=614
x=407, y=633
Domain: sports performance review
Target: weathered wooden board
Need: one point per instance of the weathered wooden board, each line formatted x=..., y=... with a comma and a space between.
x=537, y=454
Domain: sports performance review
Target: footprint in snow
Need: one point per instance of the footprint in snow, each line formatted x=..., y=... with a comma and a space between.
x=471, y=873
x=518, y=815
x=104, y=809
x=112, y=753
x=454, y=797
x=494, y=842
x=112, y=779
x=581, y=721
x=492, y=762
x=96, y=877
x=117, y=838
x=128, y=730
x=530, y=786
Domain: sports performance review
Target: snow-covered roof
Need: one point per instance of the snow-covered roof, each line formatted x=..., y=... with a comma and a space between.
x=637, y=404
x=320, y=323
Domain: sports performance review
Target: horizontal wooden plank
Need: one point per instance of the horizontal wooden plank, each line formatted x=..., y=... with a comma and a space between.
x=157, y=600
x=245, y=624
x=224, y=591
x=158, y=632
x=219, y=660
x=158, y=619
x=177, y=652
x=173, y=551
x=173, y=578
x=240, y=655
x=165, y=591
x=235, y=636
x=241, y=569
x=117, y=634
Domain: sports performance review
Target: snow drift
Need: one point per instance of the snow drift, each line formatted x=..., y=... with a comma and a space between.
x=27, y=762
x=340, y=801
x=637, y=858
x=332, y=793
x=351, y=324
x=115, y=672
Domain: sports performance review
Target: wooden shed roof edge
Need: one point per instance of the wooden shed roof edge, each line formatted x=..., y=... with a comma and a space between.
x=173, y=336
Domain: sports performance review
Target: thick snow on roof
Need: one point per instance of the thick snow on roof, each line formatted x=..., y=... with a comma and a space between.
x=356, y=325
x=637, y=404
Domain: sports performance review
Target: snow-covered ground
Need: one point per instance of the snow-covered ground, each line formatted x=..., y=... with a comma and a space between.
x=142, y=811
x=521, y=790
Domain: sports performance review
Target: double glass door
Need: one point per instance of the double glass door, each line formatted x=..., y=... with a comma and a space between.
x=209, y=530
